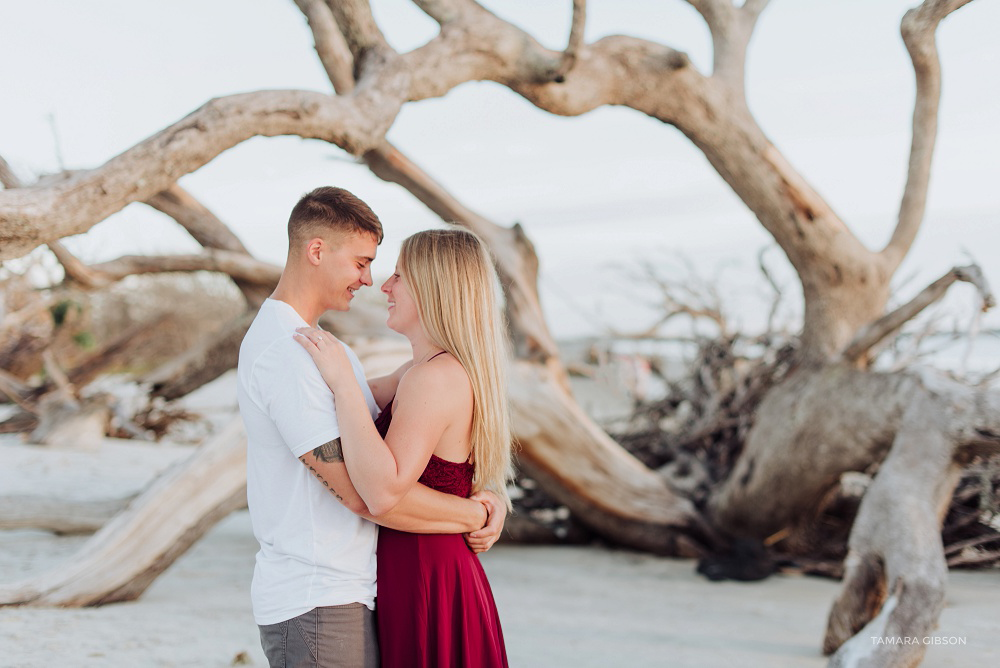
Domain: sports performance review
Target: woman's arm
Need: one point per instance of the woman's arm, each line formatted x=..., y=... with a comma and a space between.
x=384, y=387
x=383, y=475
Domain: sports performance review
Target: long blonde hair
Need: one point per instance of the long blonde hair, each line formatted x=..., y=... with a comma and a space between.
x=455, y=288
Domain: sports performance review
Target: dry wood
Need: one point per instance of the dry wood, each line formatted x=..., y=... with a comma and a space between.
x=15, y=390
x=213, y=356
x=895, y=546
x=69, y=422
x=19, y=423
x=58, y=515
x=7, y=176
x=577, y=26
x=889, y=324
x=918, y=28
x=206, y=228
x=32, y=216
x=589, y=481
x=209, y=231
x=330, y=44
x=122, y=559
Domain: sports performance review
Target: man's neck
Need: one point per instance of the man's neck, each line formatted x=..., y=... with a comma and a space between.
x=299, y=297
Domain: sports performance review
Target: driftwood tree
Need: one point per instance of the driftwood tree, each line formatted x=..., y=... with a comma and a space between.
x=830, y=415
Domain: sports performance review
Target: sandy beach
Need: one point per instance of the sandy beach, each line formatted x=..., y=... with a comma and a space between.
x=560, y=606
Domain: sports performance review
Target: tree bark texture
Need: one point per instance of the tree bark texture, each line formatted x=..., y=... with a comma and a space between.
x=58, y=515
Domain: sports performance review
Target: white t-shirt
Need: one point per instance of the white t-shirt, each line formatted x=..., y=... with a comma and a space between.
x=313, y=550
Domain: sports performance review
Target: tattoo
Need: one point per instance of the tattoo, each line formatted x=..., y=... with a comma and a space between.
x=329, y=452
x=317, y=474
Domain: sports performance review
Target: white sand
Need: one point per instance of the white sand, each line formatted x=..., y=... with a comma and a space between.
x=560, y=606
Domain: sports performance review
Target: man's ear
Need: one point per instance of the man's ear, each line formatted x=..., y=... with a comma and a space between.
x=314, y=250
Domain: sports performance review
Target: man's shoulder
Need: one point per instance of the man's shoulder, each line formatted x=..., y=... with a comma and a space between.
x=268, y=345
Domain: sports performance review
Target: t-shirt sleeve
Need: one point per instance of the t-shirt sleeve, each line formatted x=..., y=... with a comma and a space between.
x=295, y=396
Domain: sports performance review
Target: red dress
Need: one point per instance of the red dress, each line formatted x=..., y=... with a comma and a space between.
x=435, y=608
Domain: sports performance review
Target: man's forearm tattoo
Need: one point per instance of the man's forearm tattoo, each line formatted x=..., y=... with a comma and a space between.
x=329, y=452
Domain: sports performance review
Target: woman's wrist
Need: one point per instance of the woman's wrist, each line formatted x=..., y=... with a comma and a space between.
x=342, y=383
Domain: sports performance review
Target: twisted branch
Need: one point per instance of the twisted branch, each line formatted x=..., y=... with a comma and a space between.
x=919, y=28
x=890, y=323
x=331, y=47
x=577, y=27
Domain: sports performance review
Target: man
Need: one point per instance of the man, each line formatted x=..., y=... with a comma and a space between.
x=313, y=588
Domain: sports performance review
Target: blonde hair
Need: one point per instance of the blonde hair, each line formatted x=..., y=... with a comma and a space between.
x=455, y=289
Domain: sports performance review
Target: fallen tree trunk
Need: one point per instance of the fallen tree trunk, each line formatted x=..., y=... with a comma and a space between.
x=58, y=515
x=896, y=573
x=809, y=430
x=122, y=559
x=606, y=488
x=216, y=354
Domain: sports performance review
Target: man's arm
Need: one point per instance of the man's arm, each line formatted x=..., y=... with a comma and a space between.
x=422, y=510
x=327, y=463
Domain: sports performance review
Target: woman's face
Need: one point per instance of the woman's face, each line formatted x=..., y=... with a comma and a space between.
x=402, y=307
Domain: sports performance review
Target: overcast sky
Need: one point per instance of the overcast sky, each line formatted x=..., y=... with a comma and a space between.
x=829, y=82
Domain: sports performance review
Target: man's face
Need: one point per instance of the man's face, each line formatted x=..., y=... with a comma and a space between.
x=346, y=266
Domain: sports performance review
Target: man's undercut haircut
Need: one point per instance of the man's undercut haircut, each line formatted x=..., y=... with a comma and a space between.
x=329, y=211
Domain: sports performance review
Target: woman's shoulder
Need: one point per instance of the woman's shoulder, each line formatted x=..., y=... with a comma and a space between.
x=442, y=376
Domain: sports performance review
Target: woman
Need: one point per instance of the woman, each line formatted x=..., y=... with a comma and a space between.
x=444, y=423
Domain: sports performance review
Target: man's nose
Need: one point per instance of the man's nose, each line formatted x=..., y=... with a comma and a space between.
x=366, y=275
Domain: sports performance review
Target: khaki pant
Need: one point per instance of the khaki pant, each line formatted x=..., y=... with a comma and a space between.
x=339, y=636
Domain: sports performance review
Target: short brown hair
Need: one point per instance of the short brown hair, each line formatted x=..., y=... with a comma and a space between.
x=328, y=209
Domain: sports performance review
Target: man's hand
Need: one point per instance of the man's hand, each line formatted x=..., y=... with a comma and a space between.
x=483, y=539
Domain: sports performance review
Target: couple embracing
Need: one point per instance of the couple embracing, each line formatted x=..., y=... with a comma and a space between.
x=424, y=452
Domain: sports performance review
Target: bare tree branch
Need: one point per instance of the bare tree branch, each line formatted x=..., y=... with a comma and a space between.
x=918, y=28
x=362, y=35
x=174, y=201
x=237, y=265
x=206, y=228
x=76, y=270
x=209, y=231
x=754, y=7
x=516, y=265
x=16, y=391
x=731, y=28
x=474, y=44
x=55, y=371
x=38, y=214
x=710, y=10
x=445, y=11
x=575, y=40
x=331, y=47
x=891, y=322
x=778, y=292
x=7, y=176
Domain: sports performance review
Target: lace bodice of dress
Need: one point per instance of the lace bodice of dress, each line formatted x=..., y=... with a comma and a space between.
x=440, y=474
